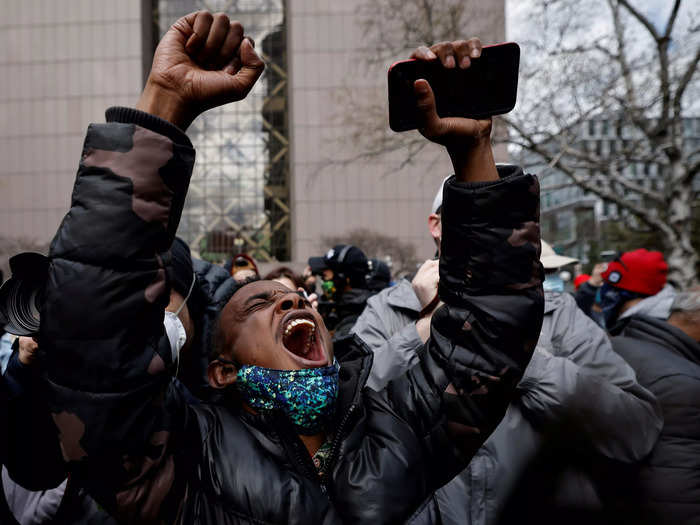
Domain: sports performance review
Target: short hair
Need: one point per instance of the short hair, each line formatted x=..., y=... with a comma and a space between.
x=218, y=339
x=687, y=302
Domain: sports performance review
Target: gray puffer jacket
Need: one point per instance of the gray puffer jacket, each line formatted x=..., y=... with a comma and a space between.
x=575, y=388
x=388, y=326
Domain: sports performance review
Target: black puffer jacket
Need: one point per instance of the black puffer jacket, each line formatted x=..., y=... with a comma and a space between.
x=666, y=488
x=148, y=456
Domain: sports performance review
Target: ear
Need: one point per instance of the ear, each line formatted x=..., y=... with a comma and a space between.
x=221, y=374
x=435, y=227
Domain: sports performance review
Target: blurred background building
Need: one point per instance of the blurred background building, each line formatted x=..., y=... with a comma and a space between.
x=580, y=224
x=266, y=178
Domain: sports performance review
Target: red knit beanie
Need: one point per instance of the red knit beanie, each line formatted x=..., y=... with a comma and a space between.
x=638, y=271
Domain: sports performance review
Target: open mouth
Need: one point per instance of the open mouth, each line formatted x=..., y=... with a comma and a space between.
x=300, y=339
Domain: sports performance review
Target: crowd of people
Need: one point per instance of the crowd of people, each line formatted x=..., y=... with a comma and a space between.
x=160, y=388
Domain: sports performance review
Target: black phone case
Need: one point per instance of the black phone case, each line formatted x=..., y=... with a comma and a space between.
x=487, y=88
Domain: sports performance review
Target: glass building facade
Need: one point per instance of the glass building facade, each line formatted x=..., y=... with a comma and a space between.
x=239, y=193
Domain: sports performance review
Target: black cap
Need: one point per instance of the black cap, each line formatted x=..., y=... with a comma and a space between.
x=343, y=259
x=379, y=276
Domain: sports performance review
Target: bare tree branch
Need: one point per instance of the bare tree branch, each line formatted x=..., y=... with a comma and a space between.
x=642, y=19
x=685, y=79
x=672, y=19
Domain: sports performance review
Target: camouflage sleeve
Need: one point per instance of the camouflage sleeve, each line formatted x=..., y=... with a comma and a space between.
x=107, y=361
x=483, y=337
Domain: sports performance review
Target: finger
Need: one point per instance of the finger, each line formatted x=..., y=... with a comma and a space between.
x=445, y=53
x=474, y=47
x=423, y=53
x=200, y=32
x=233, y=66
x=425, y=103
x=462, y=51
x=251, y=68
x=231, y=44
x=209, y=53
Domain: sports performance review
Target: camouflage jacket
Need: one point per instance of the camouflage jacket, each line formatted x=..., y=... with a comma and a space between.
x=146, y=455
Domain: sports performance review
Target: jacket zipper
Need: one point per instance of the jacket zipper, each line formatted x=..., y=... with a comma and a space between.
x=335, y=446
x=303, y=460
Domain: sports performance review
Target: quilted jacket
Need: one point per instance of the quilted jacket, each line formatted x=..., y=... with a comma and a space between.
x=148, y=456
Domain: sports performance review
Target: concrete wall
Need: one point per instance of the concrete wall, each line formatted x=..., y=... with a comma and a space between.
x=327, y=57
x=63, y=63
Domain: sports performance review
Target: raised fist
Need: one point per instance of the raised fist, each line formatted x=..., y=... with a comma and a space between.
x=203, y=61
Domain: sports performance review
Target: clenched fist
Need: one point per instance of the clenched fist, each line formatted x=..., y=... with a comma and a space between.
x=203, y=61
x=425, y=282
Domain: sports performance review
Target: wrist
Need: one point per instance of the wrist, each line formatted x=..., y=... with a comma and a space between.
x=423, y=328
x=473, y=161
x=164, y=104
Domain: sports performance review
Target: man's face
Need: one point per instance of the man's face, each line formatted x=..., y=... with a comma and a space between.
x=266, y=324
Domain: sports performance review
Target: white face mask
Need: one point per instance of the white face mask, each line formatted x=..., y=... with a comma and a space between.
x=175, y=331
x=174, y=328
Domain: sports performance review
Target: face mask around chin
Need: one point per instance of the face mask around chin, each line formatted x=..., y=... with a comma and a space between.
x=307, y=397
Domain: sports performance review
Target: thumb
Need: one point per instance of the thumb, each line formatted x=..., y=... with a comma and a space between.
x=251, y=67
x=425, y=103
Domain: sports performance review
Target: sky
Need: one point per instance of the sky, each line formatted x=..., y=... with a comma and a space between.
x=523, y=25
x=518, y=21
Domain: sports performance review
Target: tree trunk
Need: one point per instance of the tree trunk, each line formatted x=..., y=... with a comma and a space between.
x=682, y=257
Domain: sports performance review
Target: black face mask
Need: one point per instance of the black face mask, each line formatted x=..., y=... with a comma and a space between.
x=610, y=300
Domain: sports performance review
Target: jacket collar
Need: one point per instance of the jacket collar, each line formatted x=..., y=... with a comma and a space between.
x=660, y=332
x=401, y=295
x=355, y=360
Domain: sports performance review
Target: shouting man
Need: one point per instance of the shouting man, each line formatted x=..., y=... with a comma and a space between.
x=297, y=438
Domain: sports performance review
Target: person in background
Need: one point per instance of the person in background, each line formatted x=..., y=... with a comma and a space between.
x=378, y=276
x=577, y=402
x=343, y=270
x=286, y=276
x=634, y=284
x=586, y=292
x=553, y=263
x=665, y=354
x=242, y=268
x=396, y=322
x=580, y=279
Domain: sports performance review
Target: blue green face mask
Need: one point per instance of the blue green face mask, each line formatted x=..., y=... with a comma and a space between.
x=307, y=397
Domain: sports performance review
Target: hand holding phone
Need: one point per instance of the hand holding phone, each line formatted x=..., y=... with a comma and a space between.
x=467, y=140
x=468, y=82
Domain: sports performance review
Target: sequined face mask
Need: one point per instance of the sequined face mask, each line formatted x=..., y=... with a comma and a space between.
x=307, y=397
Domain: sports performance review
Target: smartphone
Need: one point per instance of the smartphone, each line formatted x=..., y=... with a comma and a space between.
x=487, y=87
